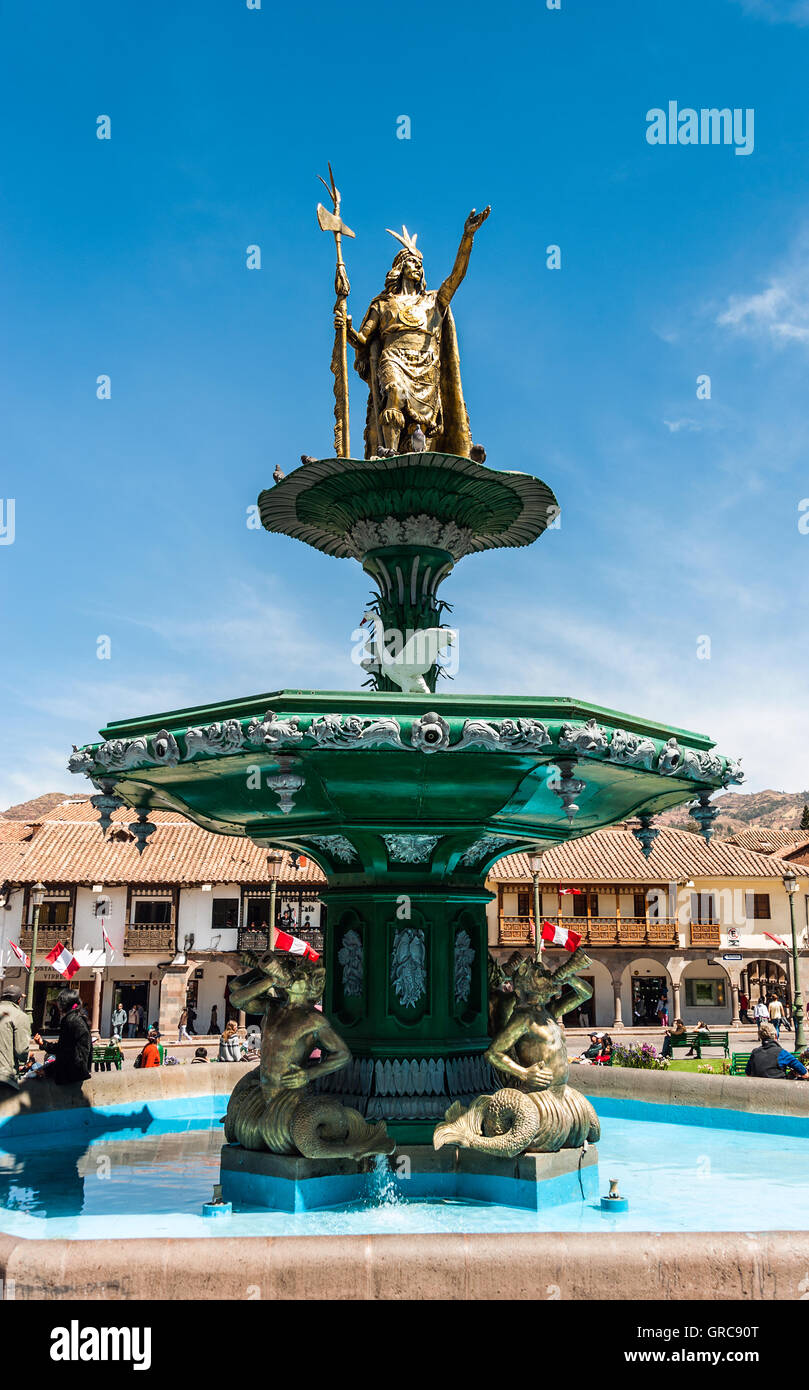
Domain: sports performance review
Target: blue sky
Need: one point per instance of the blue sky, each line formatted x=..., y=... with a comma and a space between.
x=127, y=257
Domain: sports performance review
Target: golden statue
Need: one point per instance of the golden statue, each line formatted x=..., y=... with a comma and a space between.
x=540, y=1111
x=407, y=353
x=270, y=1108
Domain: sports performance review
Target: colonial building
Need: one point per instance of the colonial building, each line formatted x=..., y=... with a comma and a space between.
x=176, y=917
x=695, y=923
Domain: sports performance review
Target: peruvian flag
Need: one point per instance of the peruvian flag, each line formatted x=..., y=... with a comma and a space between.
x=560, y=936
x=293, y=944
x=63, y=961
x=107, y=941
x=570, y=890
x=26, y=960
x=776, y=939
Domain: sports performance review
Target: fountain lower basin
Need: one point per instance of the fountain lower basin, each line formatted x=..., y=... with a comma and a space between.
x=416, y=1173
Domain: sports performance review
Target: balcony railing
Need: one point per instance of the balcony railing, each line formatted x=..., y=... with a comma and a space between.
x=254, y=939
x=46, y=937
x=598, y=931
x=150, y=938
x=705, y=934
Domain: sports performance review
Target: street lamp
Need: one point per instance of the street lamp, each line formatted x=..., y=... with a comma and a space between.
x=275, y=858
x=536, y=865
x=791, y=885
x=37, y=896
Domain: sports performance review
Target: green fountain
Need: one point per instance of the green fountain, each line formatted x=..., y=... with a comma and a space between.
x=405, y=797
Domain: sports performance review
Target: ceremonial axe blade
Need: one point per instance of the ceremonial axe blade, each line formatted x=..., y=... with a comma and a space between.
x=329, y=223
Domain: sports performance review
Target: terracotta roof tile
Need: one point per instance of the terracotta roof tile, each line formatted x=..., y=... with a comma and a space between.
x=614, y=855
x=68, y=847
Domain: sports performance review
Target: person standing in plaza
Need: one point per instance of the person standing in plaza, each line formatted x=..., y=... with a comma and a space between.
x=182, y=1027
x=662, y=1011
x=15, y=1038
x=118, y=1021
x=761, y=1012
x=213, y=1026
x=776, y=1014
x=132, y=1022
x=192, y=1018
x=744, y=1005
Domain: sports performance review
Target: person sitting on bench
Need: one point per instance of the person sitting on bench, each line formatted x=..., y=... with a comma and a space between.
x=672, y=1034
x=702, y=1033
x=772, y=1060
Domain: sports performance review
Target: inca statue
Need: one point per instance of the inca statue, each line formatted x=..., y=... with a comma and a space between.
x=407, y=353
x=270, y=1108
x=539, y=1111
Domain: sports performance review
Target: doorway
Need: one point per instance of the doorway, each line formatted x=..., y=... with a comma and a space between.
x=133, y=994
x=646, y=992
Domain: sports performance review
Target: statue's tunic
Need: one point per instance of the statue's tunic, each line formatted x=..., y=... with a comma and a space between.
x=409, y=361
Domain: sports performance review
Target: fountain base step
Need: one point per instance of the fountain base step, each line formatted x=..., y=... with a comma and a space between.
x=416, y=1173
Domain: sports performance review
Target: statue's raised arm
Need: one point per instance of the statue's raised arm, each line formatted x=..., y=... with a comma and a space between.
x=456, y=275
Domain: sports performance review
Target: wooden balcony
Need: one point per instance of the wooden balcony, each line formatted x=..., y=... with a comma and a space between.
x=705, y=934
x=150, y=938
x=598, y=931
x=47, y=938
x=252, y=939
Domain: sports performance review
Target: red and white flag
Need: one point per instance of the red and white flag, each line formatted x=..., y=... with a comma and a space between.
x=63, y=961
x=562, y=891
x=20, y=954
x=777, y=940
x=107, y=941
x=293, y=944
x=560, y=936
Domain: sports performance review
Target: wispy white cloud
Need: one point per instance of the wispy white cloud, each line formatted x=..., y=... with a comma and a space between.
x=674, y=426
x=778, y=314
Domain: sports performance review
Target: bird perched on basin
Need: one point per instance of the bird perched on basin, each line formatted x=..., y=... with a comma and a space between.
x=419, y=653
x=418, y=441
x=308, y=458
x=278, y=473
x=477, y=453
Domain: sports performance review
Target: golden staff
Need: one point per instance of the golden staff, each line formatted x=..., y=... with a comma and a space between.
x=331, y=222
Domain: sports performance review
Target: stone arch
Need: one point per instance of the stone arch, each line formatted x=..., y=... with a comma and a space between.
x=638, y=996
x=713, y=974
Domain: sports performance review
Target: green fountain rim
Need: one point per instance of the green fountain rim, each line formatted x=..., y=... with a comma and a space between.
x=344, y=507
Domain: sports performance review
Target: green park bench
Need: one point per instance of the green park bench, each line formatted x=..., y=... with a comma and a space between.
x=107, y=1055
x=738, y=1066
x=700, y=1040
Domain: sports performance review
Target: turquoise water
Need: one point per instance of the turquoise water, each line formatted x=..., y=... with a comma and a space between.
x=138, y=1174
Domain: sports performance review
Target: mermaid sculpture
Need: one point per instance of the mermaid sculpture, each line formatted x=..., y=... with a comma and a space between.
x=270, y=1108
x=540, y=1112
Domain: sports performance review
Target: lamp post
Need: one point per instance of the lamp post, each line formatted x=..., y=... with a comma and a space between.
x=791, y=885
x=37, y=896
x=275, y=858
x=536, y=865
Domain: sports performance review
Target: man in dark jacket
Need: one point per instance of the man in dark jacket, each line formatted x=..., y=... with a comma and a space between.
x=73, y=1051
x=771, y=1059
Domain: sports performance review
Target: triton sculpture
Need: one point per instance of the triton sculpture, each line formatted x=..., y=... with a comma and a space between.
x=539, y=1111
x=270, y=1107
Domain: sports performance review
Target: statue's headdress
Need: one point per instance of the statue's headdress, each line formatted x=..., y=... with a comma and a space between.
x=408, y=241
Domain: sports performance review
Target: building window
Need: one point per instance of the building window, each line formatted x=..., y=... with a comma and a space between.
x=581, y=902
x=523, y=905
x=757, y=907
x=640, y=904
x=55, y=914
x=703, y=908
x=224, y=914
x=707, y=994
x=148, y=912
